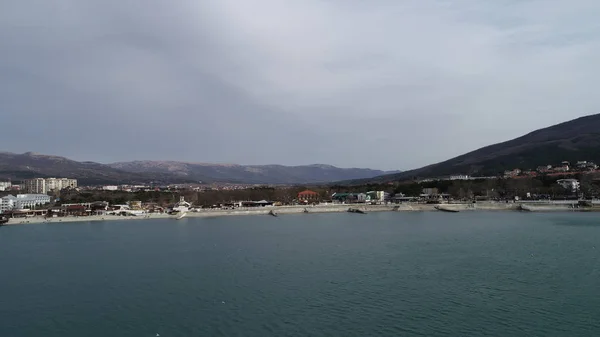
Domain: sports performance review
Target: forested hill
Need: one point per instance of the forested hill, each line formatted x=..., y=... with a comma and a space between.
x=575, y=140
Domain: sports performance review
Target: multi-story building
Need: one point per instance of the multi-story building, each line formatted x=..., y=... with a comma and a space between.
x=5, y=185
x=41, y=185
x=57, y=184
x=53, y=184
x=69, y=183
x=7, y=203
x=36, y=185
x=22, y=201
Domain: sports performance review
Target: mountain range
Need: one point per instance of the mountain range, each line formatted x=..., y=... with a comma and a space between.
x=575, y=140
x=28, y=165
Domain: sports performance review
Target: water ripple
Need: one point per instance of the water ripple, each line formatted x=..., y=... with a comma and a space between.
x=479, y=274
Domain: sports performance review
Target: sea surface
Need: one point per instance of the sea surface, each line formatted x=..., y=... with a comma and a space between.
x=378, y=274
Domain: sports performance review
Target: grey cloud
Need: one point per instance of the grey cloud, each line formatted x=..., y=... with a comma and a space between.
x=388, y=84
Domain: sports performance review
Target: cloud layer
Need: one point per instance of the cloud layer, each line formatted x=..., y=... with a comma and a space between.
x=383, y=84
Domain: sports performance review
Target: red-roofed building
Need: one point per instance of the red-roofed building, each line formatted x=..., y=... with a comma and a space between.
x=308, y=196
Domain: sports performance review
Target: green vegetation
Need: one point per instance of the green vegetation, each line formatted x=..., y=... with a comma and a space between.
x=572, y=141
x=543, y=186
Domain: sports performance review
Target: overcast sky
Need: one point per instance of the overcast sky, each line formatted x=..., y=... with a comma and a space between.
x=386, y=84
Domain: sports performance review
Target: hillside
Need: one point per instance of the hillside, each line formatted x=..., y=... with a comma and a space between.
x=28, y=165
x=578, y=139
x=250, y=174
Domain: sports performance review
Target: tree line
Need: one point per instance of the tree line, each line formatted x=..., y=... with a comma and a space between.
x=545, y=186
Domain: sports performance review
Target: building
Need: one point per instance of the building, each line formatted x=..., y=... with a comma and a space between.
x=512, y=173
x=110, y=187
x=460, y=177
x=377, y=196
x=308, y=196
x=586, y=165
x=45, y=185
x=36, y=185
x=563, y=168
x=135, y=204
x=7, y=203
x=544, y=169
x=569, y=184
x=344, y=197
x=57, y=184
x=182, y=206
x=22, y=201
x=32, y=200
x=5, y=185
x=430, y=191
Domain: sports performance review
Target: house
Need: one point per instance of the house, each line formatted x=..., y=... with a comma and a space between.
x=586, y=165
x=308, y=196
x=563, y=168
x=544, y=169
x=569, y=184
x=512, y=173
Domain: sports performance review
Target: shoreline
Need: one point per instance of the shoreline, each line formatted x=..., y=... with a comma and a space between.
x=282, y=210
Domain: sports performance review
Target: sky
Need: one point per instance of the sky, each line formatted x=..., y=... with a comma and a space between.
x=384, y=84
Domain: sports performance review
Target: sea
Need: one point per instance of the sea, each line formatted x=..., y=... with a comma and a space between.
x=377, y=274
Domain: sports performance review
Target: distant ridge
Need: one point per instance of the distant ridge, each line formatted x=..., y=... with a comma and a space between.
x=574, y=140
x=28, y=165
x=250, y=174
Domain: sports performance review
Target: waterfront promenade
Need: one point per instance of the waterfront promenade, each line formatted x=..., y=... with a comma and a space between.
x=326, y=208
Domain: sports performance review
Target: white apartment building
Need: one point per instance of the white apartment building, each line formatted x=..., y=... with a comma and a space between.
x=57, y=184
x=5, y=185
x=22, y=201
x=36, y=185
x=7, y=203
x=45, y=185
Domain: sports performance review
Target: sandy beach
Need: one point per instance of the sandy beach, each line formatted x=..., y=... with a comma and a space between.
x=331, y=208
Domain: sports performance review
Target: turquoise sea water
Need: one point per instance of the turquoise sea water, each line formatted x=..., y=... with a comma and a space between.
x=379, y=274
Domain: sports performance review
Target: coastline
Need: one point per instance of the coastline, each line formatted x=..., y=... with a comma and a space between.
x=335, y=208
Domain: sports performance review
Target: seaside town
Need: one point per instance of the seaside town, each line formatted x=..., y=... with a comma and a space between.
x=51, y=198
